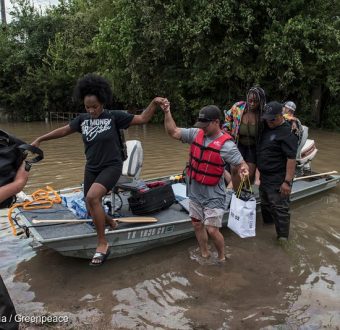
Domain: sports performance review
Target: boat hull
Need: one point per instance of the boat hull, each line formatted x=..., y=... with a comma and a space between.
x=142, y=237
x=125, y=243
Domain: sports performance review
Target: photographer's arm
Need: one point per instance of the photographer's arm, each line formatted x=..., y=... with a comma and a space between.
x=16, y=186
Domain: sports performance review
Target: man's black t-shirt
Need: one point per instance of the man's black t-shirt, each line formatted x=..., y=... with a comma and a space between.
x=276, y=146
x=100, y=137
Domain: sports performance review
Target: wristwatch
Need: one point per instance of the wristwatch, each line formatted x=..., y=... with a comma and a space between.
x=290, y=183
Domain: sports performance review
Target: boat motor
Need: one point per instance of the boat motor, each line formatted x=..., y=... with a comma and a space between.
x=305, y=153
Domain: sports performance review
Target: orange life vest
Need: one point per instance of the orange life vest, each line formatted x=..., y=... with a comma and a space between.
x=206, y=165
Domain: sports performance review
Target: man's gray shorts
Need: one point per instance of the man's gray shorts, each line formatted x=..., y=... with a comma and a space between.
x=209, y=217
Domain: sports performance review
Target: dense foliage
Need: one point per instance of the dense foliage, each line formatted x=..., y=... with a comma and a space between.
x=194, y=52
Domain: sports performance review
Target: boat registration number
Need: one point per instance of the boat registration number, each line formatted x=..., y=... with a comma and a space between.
x=150, y=232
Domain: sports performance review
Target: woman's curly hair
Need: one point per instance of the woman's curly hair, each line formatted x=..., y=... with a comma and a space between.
x=92, y=84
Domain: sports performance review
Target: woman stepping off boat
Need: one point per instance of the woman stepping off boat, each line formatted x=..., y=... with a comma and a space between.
x=103, y=149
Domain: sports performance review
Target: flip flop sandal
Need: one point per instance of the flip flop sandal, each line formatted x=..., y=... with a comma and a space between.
x=101, y=257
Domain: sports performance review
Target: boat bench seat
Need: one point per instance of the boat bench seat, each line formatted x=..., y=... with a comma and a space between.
x=123, y=180
x=132, y=166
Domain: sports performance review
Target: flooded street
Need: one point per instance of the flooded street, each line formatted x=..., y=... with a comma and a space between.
x=261, y=286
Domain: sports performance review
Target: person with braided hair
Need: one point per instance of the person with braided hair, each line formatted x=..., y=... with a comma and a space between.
x=243, y=123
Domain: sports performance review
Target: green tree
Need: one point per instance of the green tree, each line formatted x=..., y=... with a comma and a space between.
x=23, y=46
x=302, y=57
x=195, y=53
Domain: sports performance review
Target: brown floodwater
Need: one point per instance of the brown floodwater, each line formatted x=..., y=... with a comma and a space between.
x=261, y=286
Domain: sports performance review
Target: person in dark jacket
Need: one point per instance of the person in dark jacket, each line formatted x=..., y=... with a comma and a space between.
x=7, y=310
x=16, y=186
x=276, y=156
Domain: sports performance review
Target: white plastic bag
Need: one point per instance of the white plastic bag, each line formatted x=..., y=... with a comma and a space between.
x=242, y=216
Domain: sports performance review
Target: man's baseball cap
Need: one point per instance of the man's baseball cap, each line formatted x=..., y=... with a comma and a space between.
x=290, y=105
x=271, y=110
x=207, y=114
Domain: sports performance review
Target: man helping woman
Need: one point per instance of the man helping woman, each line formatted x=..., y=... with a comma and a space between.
x=210, y=150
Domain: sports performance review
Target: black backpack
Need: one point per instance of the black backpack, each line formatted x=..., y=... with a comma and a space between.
x=13, y=152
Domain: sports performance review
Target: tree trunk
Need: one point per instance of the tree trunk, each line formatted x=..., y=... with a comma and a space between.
x=316, y=104
x=3, y=14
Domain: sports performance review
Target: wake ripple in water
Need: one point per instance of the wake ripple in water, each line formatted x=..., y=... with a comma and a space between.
x=195, y=255
x=152, y=304
x=317, y=304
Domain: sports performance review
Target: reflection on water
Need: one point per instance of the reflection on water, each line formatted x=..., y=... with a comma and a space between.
x=261, y=286
x=153, y=302
x=317, y=303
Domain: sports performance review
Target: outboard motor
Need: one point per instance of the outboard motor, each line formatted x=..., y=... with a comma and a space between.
x=305, y=153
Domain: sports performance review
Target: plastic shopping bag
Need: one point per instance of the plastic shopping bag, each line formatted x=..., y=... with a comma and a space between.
x=242, y=216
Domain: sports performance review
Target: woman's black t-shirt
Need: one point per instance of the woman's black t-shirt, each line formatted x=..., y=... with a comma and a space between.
x=100, y=137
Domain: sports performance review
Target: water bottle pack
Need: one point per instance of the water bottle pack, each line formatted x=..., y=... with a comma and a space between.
x=68, y=198
x=76, y=203
x=79, y=207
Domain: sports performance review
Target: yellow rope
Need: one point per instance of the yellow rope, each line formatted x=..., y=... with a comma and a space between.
x=242, y=184
x=239, y=189
x=41, y=199
x=250, y=188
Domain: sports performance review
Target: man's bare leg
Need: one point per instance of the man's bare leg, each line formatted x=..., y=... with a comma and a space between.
x=201, y=236
x=218, y=241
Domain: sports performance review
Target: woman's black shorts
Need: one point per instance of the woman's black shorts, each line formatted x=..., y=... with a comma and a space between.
x=107, y=177
x=248, y=152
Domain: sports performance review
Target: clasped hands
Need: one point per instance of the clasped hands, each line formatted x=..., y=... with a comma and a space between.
x=163, y=103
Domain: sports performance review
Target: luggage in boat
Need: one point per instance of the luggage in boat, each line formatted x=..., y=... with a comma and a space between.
x=159, y=196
